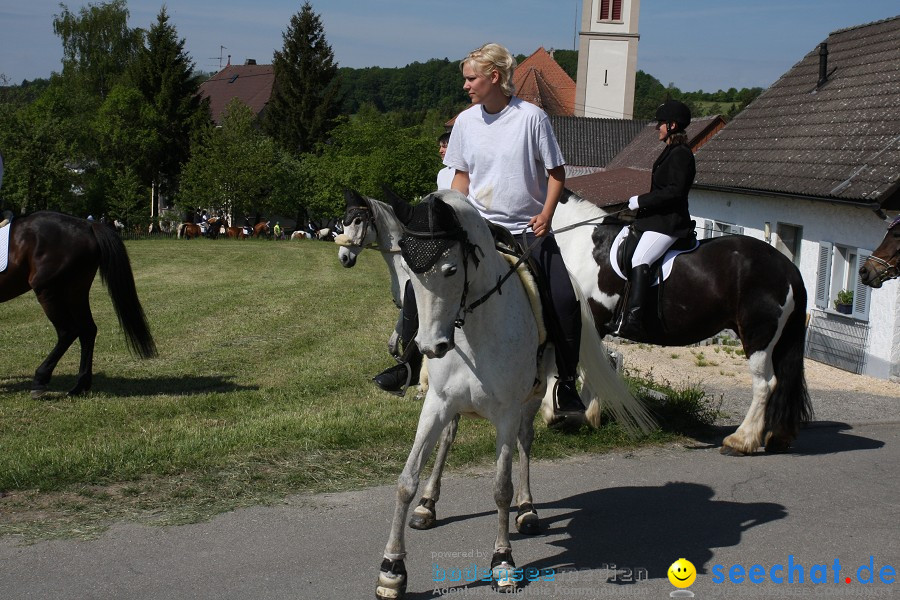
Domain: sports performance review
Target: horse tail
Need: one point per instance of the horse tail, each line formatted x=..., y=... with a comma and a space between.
x=116, y=274
x=789, y=407
x=601, y=382
x=180, y=230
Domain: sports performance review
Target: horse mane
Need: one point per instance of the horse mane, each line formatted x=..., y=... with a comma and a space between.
x=573, y=210
x=469, y=218
x=387, y=225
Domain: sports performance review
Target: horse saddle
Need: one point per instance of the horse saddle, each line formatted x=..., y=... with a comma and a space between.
x=532, y=279
x=623, y=247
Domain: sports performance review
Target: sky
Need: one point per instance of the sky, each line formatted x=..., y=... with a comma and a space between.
x=693, y=44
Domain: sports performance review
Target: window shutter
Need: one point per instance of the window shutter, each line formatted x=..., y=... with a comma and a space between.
x=604, y=10
x=862, y=293
x=617, y=10
x=823, y=275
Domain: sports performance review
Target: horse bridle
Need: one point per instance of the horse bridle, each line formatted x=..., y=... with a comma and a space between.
x=885, y=274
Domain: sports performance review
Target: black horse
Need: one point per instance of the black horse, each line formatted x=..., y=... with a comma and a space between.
x=57, y=256
x=734, y=282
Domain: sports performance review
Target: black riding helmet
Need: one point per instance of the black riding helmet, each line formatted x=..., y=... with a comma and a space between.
x=673, y=111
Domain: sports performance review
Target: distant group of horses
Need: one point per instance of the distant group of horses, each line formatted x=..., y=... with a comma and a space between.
x=218, y=226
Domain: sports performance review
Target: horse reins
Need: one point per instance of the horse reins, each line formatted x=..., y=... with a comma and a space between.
x=464, y=310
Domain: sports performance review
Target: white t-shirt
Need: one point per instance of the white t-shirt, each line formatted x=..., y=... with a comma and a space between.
x=445, y=178
x=507, y=156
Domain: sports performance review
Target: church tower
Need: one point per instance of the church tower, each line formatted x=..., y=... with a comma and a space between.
x=607, y=58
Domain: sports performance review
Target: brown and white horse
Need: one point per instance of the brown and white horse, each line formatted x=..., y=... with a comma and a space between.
x=733, y=282
x=884, y=263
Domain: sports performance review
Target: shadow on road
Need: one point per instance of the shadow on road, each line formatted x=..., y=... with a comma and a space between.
x=650, y=527
x=816, y=438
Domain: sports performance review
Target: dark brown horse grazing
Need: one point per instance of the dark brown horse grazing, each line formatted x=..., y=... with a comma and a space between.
x=884, y=263
x=57, y=256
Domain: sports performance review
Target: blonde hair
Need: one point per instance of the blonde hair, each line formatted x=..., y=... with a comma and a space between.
x=493, y=57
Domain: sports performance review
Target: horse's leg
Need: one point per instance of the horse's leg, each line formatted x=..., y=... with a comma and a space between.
x=56, y=309
x=502, y=565
x=425, y=514
x=392, y=574
x=748, y=436
x=87, y=335
x=527, y=522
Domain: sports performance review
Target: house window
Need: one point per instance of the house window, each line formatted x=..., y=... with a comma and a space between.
x=838, y=270
x=787, y=241
x=610, y=10
x=714, y=229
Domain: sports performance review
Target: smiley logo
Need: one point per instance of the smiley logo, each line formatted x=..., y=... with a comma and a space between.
x=682, y=573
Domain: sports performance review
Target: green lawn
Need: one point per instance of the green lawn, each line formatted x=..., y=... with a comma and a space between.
x=261, y=390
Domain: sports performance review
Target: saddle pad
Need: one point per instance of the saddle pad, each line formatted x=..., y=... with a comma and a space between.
x=4, y=247
x=531, y=290
x=668, y=259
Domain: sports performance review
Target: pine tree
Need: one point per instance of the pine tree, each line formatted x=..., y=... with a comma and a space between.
x=162, y=73
x=304, y=98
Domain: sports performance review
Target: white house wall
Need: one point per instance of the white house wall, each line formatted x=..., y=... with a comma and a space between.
x=821, y=221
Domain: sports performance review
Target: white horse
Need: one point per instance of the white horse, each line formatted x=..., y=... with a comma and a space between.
x=485, y=361
x=369, y=222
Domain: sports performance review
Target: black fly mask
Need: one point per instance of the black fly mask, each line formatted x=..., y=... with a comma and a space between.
x=430, y=232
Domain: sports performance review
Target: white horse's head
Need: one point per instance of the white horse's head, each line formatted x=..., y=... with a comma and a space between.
x=359, y=228
x=441, y=247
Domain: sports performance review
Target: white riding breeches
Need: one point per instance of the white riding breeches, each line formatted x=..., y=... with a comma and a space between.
x=651, y=246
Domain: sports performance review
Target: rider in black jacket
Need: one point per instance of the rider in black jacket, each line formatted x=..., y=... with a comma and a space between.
x=662, y=213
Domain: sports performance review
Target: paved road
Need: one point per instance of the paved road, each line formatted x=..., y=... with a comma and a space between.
x=833, y=498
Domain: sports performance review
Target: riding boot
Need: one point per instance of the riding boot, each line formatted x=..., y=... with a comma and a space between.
x=632, y=325
x=402, y=375
x=399, y=377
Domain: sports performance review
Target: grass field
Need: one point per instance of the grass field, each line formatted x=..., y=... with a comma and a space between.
x=261, y=390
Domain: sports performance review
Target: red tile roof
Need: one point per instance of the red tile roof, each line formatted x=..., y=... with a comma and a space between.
x=610, y=187
x=540, y=80
x=252, y=84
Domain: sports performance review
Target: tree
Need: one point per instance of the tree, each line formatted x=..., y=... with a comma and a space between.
x=304, y=98
x=232, y=168
x=36, y=151
x=364, y=153
x=162, y=73
x=97, y=44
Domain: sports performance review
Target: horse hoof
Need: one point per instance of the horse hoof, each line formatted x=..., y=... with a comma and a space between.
x=503, y=573
x=729, y=451
x=391, y=580
x=424, y=515
x=778, y=445
x=37, y=394
x=527, y=522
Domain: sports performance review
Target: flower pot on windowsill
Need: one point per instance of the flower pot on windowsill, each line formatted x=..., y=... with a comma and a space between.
x=845, y=309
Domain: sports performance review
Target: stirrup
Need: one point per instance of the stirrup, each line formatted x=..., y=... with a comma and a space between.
x=403, y=387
